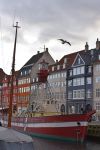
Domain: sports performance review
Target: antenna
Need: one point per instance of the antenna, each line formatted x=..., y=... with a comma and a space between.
x=14, y=17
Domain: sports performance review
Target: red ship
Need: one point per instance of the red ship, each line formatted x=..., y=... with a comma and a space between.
x=70, y=127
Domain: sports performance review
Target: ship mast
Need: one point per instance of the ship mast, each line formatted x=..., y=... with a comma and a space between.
x=12, y=78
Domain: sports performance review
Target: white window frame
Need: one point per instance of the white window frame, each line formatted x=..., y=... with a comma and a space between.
x=97, y=79
x=89, y=93
x=79, y=94
x=89, y=80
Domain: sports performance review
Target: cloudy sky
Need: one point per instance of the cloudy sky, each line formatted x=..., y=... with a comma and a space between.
x=42, y=22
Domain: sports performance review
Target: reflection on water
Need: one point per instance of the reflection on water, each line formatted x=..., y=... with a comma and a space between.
x=41, y=144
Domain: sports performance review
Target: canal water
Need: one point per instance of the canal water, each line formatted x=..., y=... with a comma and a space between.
x=43, y=144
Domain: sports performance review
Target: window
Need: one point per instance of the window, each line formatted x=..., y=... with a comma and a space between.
x=64, y=65
x=89, y=69
x=99, y=56
x=63, y=74
x=58, y=75
x=97, y=92
x=69, y=94
x=78, y=70
x=98, y=106
x=29, y=70
x=78, y=94
x=97, y=79
x=70, y=83
x=89, y=80
x=65, y=60
x=52, y=68
x=37, y=79
x=58, y=67
x=70, y=72
x=98, y=67
x=89, y=93
x=79, y=60
x=78, y=81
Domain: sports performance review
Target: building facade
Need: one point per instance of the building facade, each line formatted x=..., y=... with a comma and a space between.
x=28, y=76
x=72, y=85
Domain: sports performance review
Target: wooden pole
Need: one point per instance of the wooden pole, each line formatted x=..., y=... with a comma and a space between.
x=12, y=79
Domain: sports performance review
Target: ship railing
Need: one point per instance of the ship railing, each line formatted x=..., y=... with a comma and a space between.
x=38, y=114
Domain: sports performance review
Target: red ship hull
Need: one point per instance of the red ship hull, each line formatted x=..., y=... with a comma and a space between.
x=65, y=127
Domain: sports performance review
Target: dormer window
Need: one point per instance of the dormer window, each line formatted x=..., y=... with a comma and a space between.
x=5, y=78
x=52, y=68
x=37, y=79
x=64, y=65
x=65, y=60
x=58, y=67
x=79, y=60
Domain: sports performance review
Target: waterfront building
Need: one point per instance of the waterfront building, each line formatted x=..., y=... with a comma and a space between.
x=2, y=74
x=6, y=90
x=27, y=77
x=79, y=82
x=96, y=79
x=57, y=81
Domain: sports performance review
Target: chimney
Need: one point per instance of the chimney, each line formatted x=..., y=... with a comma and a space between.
x=38, y=52
x=56, y=61
x=46, y=49
x=86, y=47
x=97, y=44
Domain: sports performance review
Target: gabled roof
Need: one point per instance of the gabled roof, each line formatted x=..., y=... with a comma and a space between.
x=70, y=59
x=86, y=56
x=75, y=63
x=2, y=74
x=34, y=59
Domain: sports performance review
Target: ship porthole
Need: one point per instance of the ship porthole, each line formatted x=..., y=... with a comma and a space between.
x=78, y=123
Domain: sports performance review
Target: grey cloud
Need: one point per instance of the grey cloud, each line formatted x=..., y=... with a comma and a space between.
x=55, y=18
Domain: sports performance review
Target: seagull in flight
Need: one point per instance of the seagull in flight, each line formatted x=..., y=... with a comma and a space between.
x=64, y=41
